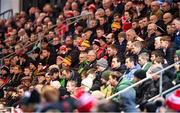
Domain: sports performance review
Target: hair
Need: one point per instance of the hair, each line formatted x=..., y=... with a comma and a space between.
x=73, y=83
x=157, y=53
x=144, y=56
x=100, y=28
x=159, y=60
x=138, y=44
x=112, y=47
x=91, y=71
x=165, y=38
x=50, y=93
x=117, y=57
x=131, y=59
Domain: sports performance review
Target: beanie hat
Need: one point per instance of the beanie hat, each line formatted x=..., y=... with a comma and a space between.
x=105, y=75
x=63, y=48
x=173, y=101
x=67, y=60
x=85, y=43
x=5, y=68
x=92, y=7
x=85, y=102
x=102, y=62
x=116, y=25
x=87, y=82
x=56, y=84
x=70, y=13
x=178, y=53
x=103, y=39
x=96, y=42
x=140, y=74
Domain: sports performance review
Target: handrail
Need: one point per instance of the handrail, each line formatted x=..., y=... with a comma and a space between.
x=7, y=11
x=153, y=98
x=145, y=79
x=45, y=31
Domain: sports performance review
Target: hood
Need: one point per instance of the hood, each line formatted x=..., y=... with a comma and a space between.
x=127, y=99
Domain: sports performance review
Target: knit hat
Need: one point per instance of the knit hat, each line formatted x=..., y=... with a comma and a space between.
x=67, y=60
x=5, y=68
x=85, y=102
x=63, y=48
x=140, y=74
x=70, y=13
x=178, y=53
x=105, y=75
x=26, y=78
x=102, y=62
x=173, y=101
x=96, y=42
x=87, y=83
x=92, y=7
x=116, y=25
x=103, y=39
x=85, y=43
x=56, y=84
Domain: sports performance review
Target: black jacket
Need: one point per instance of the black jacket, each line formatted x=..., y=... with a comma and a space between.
x=142, y=91
x=153, y=89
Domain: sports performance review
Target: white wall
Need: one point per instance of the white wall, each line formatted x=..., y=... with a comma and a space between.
x=10, y=4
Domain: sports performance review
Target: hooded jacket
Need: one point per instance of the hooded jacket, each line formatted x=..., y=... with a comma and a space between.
x=127, y=101
x=122, y=84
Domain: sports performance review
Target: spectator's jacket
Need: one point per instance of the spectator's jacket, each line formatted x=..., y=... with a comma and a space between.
x=120, y=69
x=142, y=91
x=75, y=77
x=169, y=53
x=101, y=53
x=177, y=79
x=129, y=74
x=177, y=40
x=83, y=66
x=106, y=90
x=147, y=66
x=153, y=90
x=122, y=84
x=15, y=80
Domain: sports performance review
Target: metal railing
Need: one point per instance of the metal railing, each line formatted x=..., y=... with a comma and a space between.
x=69, y=21
x=145, y=79
x=6, y=14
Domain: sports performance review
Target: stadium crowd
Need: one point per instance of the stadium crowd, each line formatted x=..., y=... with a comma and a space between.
x=75, y=67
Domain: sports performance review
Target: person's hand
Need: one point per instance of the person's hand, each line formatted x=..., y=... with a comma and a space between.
x=177, y=67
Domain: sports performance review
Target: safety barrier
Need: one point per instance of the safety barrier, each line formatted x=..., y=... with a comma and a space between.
x=145, y=79
x=69, y=21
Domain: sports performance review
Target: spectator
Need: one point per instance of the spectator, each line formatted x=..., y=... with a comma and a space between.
x=131, y=66
x=141, y=90
x=144, y=61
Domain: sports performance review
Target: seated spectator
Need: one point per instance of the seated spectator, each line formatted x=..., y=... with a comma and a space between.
x=144, y=61
x=119, y=82
x=106, y=88
x=131, y=66
x=142, y=89
x=117, y=65
x=154, y=87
